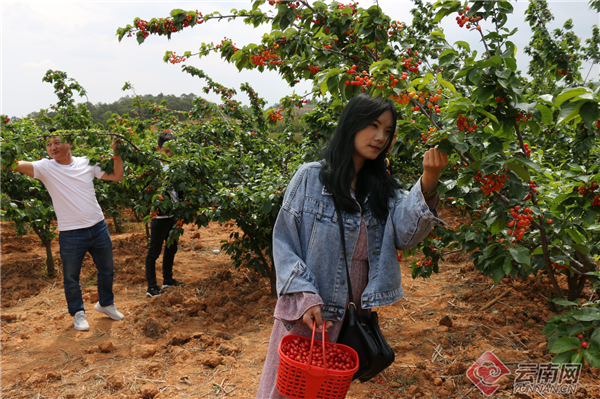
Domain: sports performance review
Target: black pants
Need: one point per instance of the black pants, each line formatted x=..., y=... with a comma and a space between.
x=159, y=232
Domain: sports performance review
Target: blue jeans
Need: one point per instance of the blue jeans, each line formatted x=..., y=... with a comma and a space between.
x=74, y=244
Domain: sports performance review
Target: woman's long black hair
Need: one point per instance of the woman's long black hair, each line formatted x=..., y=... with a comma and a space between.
x=338, y=171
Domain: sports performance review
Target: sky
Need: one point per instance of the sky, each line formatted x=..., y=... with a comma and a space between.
x=79, y=37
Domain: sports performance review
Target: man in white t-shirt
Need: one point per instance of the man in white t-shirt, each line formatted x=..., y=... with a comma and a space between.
x=69, y=180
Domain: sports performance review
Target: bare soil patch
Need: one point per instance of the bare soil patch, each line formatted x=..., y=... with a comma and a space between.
x=209, y=338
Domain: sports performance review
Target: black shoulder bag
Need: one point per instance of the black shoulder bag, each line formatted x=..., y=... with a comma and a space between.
x=362, y=333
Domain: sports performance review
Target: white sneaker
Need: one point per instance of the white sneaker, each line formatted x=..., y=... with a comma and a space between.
x=79, y=321
x=110, y=310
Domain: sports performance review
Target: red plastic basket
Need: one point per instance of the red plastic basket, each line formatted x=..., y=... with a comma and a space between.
x=302, y=380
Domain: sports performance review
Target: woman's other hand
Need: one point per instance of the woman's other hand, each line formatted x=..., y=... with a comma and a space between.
x=313, y=314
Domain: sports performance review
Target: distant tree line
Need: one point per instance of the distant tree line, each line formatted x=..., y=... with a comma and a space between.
x=101, y=112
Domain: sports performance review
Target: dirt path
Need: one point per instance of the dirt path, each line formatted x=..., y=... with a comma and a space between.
x=209, y=339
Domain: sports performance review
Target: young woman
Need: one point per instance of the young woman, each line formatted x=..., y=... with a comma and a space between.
x=379, y=218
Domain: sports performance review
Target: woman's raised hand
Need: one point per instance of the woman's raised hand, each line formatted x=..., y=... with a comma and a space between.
x=433, y=163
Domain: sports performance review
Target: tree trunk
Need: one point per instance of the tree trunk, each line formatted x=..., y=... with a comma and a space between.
x=48, y=244
x=49, y=259
x=147, y=231
x=590, y=266
x=271, y=272
x=273, y=279
x=118, y=227
x=574, y=287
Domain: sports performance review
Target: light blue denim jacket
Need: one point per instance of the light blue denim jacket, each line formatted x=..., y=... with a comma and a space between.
x=307, y=249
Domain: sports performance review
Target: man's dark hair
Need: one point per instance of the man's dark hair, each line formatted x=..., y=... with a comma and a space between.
x=52, y=130
x=338, y=171
x=164, y=137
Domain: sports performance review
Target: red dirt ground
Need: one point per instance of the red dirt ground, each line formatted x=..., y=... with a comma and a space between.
x=209, y=339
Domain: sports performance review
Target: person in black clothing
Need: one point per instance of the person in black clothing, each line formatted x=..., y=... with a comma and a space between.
x=159, y=232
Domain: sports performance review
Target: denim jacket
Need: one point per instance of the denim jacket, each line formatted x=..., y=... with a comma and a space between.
x=307, y=249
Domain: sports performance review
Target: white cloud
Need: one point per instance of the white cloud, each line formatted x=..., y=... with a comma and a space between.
x=45, y=64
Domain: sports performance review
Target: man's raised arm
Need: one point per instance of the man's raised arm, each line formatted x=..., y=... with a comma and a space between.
x=24, y=167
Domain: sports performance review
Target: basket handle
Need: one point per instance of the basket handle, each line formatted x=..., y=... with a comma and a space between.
x=312, y=343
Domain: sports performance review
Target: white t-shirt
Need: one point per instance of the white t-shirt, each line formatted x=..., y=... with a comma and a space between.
x=72, y=190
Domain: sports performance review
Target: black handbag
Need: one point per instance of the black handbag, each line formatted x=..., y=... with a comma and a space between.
x=362, y=333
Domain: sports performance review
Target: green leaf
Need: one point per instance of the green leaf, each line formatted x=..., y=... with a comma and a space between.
x=445, y=146
x=333, y=75
x=474, y=166
x=495, y=147
x=484, y=93
x=562, y=358
x=569, y=112
x=507, y=266
x=463, y=72
x=519, y=170
x=470, y=236
x=446, y=186
x=546, y=98
x=563, y=197
x=528, y=162
x=577, y=358
x=589, y=216
x=445, y=83
x=439, y=33
x=538, y=251
x=586, y=314
x=594, y=227
x=589, y=113
x=497, y=274
x=595, y=337
x=511, y=63
x=473, y=198
x=446, y=9
x=464, y=45
x=510, y=52
x=332, y=83
x=568, y=94
x=575, y=236
x=546, y=113
x=493, y=61
x=564, y=302
x=564, y=344
x=484, y=112
x=447, y=57
x=520, y=255
x=524, y=106
x=383, y=64
x=581, y=248
x=498, y=225
x=503, y=73
x=475, y=76
x=592, y=356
